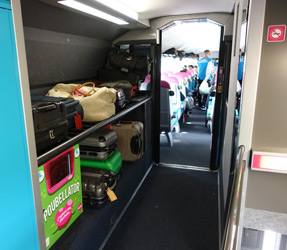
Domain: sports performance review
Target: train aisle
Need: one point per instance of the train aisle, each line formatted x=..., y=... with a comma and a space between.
x=191, y=146
x=174, y=209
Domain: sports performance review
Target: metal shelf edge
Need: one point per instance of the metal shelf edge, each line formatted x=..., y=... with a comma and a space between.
x=71, y=142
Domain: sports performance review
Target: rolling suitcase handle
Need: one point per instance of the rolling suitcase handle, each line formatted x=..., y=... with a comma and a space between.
x=136, y=142
x=46, y=107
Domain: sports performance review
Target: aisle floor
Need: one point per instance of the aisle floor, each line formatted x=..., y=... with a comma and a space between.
x=174, y=209
x=191, y=146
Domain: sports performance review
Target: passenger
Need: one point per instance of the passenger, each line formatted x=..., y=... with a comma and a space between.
x=196, y=92
x=190, y=67
x=205, y=66
x=240, y=67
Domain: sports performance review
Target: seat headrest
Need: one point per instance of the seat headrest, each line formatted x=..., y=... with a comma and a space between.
x=147, y=79
x=165, y=84
x=171, y=79
x=184, y=74
x=179, y=76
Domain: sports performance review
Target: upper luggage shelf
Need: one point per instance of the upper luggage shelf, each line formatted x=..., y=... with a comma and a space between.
x=76, y=139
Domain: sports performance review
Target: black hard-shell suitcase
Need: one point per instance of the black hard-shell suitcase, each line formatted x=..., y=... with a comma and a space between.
x=128, y=62
x=94, y=186
x=111, y=75
x=73, y=107
x=99, y=145
x=50, y=124
x=130, y=139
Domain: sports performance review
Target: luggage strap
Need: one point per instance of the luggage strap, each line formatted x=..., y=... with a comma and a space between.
x=135, y=87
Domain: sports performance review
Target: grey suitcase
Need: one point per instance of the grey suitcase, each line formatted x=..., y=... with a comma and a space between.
x=99, y=145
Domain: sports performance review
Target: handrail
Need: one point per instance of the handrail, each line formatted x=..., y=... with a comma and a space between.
x=232, y=228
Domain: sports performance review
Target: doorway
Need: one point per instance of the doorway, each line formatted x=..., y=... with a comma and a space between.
x=186, y=139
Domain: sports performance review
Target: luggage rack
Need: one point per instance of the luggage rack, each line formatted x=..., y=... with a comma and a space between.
x=76, y=139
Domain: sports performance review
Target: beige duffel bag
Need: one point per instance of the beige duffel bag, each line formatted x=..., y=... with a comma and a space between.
x=98, y=103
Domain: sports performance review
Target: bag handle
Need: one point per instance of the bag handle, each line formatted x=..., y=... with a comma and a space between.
x=77, y=90
x=136, y=142
x=46, y=107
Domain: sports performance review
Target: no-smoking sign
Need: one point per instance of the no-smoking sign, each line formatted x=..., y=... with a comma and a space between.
x=276, y=33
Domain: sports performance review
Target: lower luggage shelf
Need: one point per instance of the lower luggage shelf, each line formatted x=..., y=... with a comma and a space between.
x=94, y=127
x=90, y=229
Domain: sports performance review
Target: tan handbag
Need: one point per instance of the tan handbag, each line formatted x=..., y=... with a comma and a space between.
x=98, y=103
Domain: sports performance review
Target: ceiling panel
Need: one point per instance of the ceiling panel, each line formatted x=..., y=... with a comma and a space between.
x=156, y=8
x=40, y=15
x=192, y=37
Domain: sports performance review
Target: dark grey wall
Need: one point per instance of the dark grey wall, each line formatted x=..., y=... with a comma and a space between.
x=56, y=57
x=63, y=46
x=267, y=191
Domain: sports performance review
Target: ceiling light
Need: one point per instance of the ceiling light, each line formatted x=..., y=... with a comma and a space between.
x=92, y=11
x=120, y=7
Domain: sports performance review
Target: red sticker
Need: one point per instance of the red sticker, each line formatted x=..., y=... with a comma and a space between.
x=276, y=33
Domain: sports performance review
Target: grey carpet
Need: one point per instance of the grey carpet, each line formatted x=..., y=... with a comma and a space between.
x=191, y=146
x=175, y=209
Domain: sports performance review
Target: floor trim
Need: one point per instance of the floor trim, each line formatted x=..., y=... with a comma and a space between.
x=187, y=167
x=124, y=210
x=219, y=211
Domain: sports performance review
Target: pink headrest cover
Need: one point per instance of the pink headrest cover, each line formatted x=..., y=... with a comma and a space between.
x=178, y=76
x=184, y=74
x=171, y=79
x=147, y=79
x=165, y=84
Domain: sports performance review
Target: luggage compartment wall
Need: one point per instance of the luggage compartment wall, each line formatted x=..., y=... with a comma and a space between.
x=56, y=57
x=64, y=45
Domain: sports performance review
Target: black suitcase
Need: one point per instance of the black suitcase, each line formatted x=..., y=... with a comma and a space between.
x=126, y=86
x=74, y=109
x=128, y=62
x=99, y=145
x=94, y=186
x=111, y=75
x=50, y=124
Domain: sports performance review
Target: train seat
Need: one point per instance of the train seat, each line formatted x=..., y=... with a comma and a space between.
x=168, y=120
